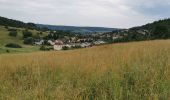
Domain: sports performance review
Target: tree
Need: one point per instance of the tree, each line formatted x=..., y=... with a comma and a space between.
x=160, y=32
x=6, y=27
x=29, y=40
x=26, y=34
x=65, y=48
x=13, y=33
x=44, y=48
x=31, y=26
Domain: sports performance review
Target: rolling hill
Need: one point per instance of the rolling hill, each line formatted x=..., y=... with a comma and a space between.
x=15, y=23
x=77, y=29
x=152, y=26
x=5, y=39
x=19, y=24
x=152, y=31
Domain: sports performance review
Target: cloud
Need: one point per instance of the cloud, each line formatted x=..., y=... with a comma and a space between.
x=108, y=13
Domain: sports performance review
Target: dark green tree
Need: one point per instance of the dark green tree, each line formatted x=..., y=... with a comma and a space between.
x=160, y=32
x=26, y=34
x=29, y=41
x=13, y=33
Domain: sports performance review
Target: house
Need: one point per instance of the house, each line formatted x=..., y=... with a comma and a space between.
x=68, y=45
x=58, y=45
x=144, y=32
x=51, y=42
x=39, y=42
x=115, y=37
x=99, y=42
x=84, y=45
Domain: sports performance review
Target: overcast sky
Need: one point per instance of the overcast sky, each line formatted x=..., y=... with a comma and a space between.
x=105, y=13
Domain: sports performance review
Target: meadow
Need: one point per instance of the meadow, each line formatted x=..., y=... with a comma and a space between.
x=5, y=39
x=125, y=71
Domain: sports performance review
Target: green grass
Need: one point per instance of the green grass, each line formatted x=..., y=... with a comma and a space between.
x=19, y=50
x=5, y=39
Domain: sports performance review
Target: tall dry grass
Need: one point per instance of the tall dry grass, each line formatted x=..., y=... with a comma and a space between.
x=127, y=71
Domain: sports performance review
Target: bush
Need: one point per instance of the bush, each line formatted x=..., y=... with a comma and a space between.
x=76, y=47
x=7, y=51
x=13, y=33
x=29, y=40
x=44, y=48
x=26, y=34
x=13, y=45
x=65, y=48
x=6, y=27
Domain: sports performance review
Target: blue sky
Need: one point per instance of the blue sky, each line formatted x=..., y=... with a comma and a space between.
x=105, y=13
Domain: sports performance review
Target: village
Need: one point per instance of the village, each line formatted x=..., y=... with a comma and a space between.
x=75, y=42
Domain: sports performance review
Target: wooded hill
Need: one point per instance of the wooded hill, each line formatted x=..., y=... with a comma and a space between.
x=156, y=30
x=15, y=23
x=152, y=26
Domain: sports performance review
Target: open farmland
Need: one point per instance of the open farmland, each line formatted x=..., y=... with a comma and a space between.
x=127, y=71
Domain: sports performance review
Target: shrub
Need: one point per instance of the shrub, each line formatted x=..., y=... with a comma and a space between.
x=7, y=51
x=29, y=40
x=65, y=48
x=13, y=45
x=6, y=27
x=26, y=34
x=76, y=47
x=44, y=48
x=13, y=33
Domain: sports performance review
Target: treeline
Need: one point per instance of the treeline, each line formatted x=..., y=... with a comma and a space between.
x=156, y=30
x=152, y=26
x=18, y=24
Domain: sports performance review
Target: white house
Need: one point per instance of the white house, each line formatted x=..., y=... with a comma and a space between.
x=115, y=37
x=68, y=45
x=58, y=45
x=51, y=42
x=144, y=32
x=84, y=45
x=99, y=42
x=39, y=43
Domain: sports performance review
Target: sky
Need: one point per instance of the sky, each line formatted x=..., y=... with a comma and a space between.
x=102, y=13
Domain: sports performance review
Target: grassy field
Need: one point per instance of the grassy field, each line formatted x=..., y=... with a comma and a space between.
x=5, y=39
x=127, y=71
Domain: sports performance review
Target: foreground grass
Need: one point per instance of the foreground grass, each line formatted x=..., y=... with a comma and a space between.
x=130, y=71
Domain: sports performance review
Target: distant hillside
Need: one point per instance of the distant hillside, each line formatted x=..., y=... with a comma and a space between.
x=156, y=30
x=77, y=29
x=19, y=24
x=152, y=26
x=15, y=23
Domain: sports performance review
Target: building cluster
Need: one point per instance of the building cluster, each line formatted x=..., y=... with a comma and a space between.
x=60, y=44
x=76, y=42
